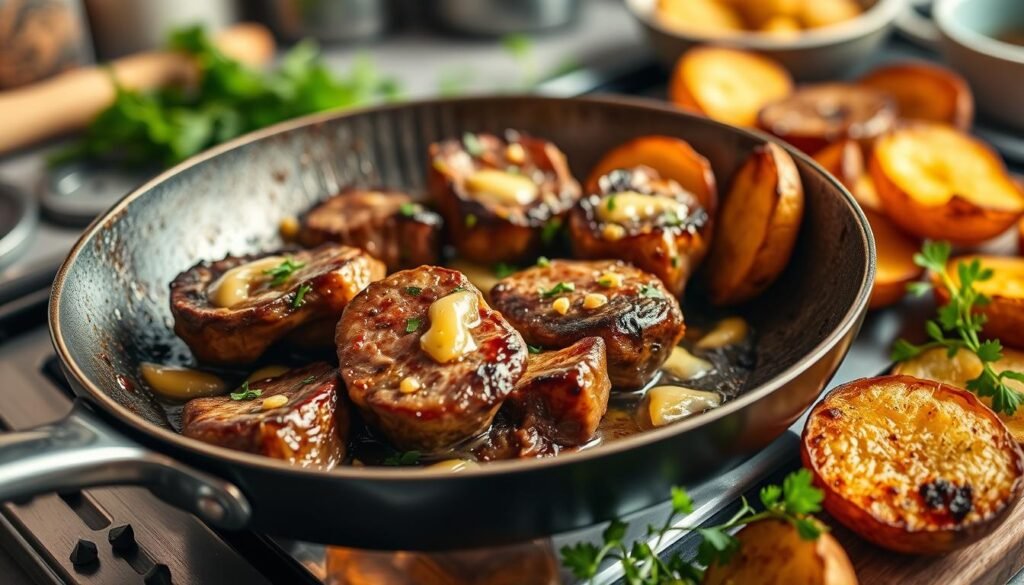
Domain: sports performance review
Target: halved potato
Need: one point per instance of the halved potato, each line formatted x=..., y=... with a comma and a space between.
x=912, y=465
x=772, y=553
x=758, y=226
x=925, y=92
x=819, y=13
x=728, y=85
x=937, y=182
x=672, y=158
x=817, y=115
x=895, y=267
x=758, y=13
x=1005, y=290
x=845, y=160
x=709, y=17
x=935, y=364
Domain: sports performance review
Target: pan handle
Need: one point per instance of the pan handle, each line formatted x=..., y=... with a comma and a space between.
x=81, y=451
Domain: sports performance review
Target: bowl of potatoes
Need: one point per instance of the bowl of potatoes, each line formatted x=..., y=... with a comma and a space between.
x=813, y=39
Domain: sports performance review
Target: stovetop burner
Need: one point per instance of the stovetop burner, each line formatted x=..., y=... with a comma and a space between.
x=18, y=219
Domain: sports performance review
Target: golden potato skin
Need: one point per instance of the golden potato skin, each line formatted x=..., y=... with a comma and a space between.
x=925, y=92
x=1005, y=312
x=772, y=553
x=912, y=465
x=758, y=226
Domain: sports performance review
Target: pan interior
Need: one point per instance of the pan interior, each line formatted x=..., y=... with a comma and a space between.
x=112, y=304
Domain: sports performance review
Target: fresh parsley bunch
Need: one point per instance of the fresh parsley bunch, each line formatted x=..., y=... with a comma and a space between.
x=166, y=126
x=958, y=326
x=794, y=502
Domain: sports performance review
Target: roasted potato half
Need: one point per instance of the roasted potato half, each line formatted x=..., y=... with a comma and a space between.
x=937, y=182
x=895, y=267
x=1005, y=291
x=672, y=158
x=845, y=160
x=709, y=17
x=912, y=465
x=772, y=553
x=818, y=115
x=935, y=364
x=925, y=92
x=728, y=85
x=758, y=226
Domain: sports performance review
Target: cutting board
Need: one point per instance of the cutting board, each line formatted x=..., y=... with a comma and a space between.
x=990, y=561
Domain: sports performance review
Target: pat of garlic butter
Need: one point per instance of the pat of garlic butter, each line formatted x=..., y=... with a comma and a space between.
x=632, y=206
x=501, y=187
x=452, y=319
x=178, y=383
x=235, y=285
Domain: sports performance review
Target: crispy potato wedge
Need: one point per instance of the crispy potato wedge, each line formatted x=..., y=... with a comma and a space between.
x=845, y=160
x=728, y=85
x=759, y=222
x=672, y=158
x=925, y=92
x=937, y=182
x=895, y=261
x=772, y=553
x=1005, y=291
x=817, y=115
x=912, y=465
x=935, y=364
x=709, y=17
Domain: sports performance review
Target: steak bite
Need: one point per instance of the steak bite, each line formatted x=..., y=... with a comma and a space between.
x=232, y=310
x=557, y=404
x=389, y=225
x=425, y=360
x=500, y=198
x=297, y=417
x=650, y=222
x=556, y=305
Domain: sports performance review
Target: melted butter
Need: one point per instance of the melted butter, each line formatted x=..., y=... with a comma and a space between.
x=451, y=320
x=502, y=188
x=454, y=465
x=234, y=286
x=665, y=404
x=686, y=366
x=728, y=331
x=179, y=383
x=271, y=371
x=631, y=206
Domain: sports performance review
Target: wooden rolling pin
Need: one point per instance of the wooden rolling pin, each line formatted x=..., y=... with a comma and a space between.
x=71, y=100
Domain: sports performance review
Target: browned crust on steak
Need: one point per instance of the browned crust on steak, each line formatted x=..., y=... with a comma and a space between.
x=456, y=400
x=241, y=334
x=310, y=430
x=671, y=250
x=640, y=324
x=490, y=232
x=389, y=225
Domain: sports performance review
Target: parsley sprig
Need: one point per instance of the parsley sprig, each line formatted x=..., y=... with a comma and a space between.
x=793, y=502
x=958, y=325
x=246, y=393
x=282, y=272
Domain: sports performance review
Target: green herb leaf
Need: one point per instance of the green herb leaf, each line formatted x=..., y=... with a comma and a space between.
x=918, y=289
x=610, y=203
x=471, y=220
x=408, y=209
x=615, y=532
x=581, y=559
x=800, y=495
x=300, y=296
x=412, y=324
x=403, y=459
x=681, y=502
x=808, y=528
x=308, y=380
x=559, y=288
x=651, y=291
x=501, y=269
x=717, y=547
x=414, y=290
x=533, y=349
x=550, y=230
x=518, y=45
x=471, y=142
x=990, y=351
x=283, y=271
x=543, y=262
x=770, y=495
x=246, y=393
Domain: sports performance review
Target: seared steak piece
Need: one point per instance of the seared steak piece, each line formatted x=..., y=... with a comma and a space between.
x=297, y=416
x=388, y=224
x=650, y=222
x=558, y=403
x=230, y=311
x=424, y=358
x=556, y=305
x=500, y=199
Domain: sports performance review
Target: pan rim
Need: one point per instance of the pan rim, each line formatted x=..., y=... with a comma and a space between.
x=166, y=438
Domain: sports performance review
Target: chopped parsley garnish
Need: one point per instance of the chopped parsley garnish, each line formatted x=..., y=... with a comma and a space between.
x=671, y=219
x=561, y=287
x=610, y=203
x=414, y=290
x=457, y=289
x=471, y=220
x=246, y=393
x=533, y=348
x=403, y=459
x=543, y=262
x=408, y=209
x=283, y=271
x=412, y=324
x=300, y=296
x=650, y=291
x=308, y=380
x=472, y=144
x=502, y=269
x=550, y=230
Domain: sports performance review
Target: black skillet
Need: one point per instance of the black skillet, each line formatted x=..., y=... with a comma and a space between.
x=109, y=312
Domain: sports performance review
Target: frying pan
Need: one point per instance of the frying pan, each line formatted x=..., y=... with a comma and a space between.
x=109, y=312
